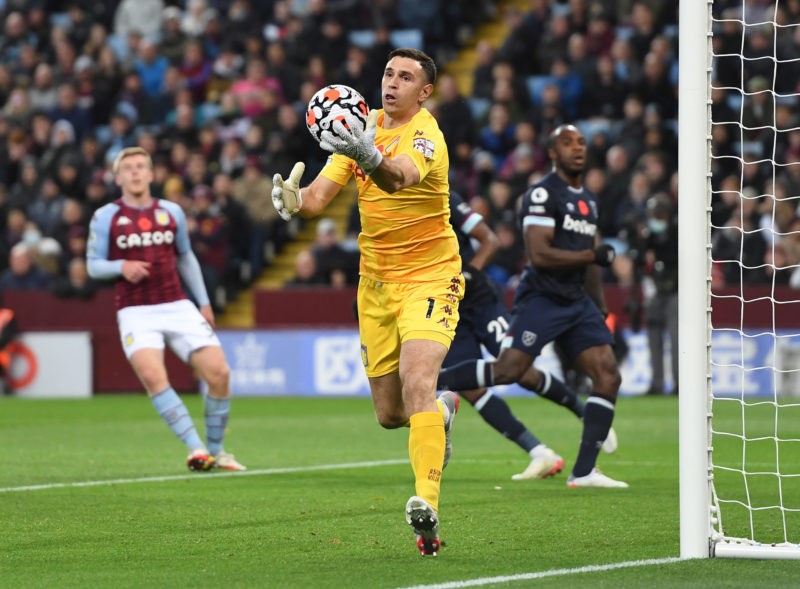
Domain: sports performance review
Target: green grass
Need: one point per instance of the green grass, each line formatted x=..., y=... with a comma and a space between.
x=340, y=527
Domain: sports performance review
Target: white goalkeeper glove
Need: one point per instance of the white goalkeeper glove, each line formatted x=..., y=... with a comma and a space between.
x=286, y=195
x=356, y=144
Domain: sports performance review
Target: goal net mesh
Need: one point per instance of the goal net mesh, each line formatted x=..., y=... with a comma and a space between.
x=755, y=272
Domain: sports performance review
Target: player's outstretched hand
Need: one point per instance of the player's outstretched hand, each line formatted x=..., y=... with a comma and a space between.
x=348, y=139
x=286, y=194
x=604, y=255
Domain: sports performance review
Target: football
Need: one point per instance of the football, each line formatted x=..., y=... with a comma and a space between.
x=332, y=103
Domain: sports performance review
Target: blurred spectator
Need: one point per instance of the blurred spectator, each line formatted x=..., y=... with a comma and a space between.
x=335, y=266
x=45, y=210
x=151, y=67
x=251, y=93
x=76, y=284
x=68, y=109
x=305, y=268
x=497, y=136
x=141, y=16
x=239, y=222
x=197, y=16
x=659, y=255
x=48, y=255
x=250, y=190
x=508, y=261
x=195, y=70
x=482, y=78
x=43, y=94
x=22, y=272
x=209, y=234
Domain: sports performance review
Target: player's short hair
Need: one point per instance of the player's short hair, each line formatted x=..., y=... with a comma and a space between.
x=424, y=60
x=556, y=133
x=128, y=152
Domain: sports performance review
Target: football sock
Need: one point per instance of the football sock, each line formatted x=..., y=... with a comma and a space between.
x=465, y=376
x=496, y=412
x=174, y=413
x=216, y=414
x=596, y=423
x=426, y=451
x=556, y=391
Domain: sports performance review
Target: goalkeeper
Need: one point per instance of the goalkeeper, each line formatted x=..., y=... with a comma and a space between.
x=410, y=271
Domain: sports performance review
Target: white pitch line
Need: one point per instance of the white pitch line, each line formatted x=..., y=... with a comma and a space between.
x=205, y=476
x=543, y=574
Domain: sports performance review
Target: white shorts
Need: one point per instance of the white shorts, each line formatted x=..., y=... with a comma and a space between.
x=179, y=323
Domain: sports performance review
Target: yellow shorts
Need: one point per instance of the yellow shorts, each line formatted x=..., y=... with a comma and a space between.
x=392, y=313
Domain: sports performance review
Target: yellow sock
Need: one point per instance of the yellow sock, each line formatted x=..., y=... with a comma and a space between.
x=426, y=450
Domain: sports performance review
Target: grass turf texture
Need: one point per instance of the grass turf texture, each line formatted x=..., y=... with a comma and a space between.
x=341, y=527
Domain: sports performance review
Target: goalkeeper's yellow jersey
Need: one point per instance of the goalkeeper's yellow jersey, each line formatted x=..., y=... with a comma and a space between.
x=405, y=236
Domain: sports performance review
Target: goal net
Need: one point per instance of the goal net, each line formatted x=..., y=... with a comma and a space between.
x=751, y=455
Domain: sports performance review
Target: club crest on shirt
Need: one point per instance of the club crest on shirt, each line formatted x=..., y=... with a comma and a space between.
x=162, y=218
x=528, y=338
x=424, y=146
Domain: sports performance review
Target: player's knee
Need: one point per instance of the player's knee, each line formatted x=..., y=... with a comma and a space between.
x=608, y=380
x=390, y=420
x=218, y=376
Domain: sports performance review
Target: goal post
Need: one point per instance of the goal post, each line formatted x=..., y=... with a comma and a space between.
x=694, y=344
x=739, y=186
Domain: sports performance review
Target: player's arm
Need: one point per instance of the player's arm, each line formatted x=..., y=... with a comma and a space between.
x=396, y=174
x=189, y=267
x=593, y=283
x=289, y=199
x=98, y=265
x=488, y=244
x=542, y=254
x=390, y=175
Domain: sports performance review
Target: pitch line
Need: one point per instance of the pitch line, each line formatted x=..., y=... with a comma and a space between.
x=543, y=574
x=205, y=476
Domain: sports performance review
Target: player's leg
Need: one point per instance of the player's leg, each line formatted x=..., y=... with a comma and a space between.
x=419, y=363
x=193, y=340
x=601, y=366
x=212, y=367
x=549, y=387
x=142, y=339
x=589, y=341
x=148, y=364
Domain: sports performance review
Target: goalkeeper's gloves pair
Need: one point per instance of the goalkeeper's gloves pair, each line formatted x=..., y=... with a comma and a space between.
x=348, y=140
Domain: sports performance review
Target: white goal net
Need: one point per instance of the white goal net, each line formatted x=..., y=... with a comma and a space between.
x=752, y=277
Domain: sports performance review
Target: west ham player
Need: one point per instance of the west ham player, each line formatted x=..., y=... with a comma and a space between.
x=484, y=320
x=559, y=298
x=142, y=242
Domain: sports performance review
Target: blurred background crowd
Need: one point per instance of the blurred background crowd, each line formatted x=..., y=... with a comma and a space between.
x=216, y=91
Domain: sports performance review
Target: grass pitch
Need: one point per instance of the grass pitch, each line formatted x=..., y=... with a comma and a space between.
x=96, y=494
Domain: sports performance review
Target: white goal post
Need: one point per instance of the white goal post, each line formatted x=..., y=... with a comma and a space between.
x=739, y=451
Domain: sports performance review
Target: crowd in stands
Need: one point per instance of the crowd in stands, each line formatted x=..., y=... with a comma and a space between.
x=215, y=90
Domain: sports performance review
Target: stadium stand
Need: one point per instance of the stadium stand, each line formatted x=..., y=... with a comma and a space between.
x=209, y=85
